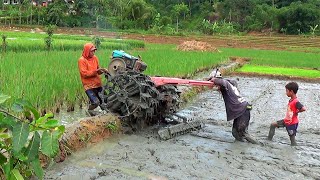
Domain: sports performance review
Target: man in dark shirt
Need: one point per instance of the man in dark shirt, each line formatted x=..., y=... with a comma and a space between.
x=237, y=108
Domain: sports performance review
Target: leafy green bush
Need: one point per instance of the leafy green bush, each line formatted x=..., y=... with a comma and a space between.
x=221, y=27
x=21, y=141
x=263, y=17
x=165, y=20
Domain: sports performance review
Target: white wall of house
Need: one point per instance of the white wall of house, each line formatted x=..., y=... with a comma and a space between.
x=11, y=1
x=6, y=2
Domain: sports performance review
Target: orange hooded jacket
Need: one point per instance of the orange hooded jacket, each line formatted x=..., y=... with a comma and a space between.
x=88, y=68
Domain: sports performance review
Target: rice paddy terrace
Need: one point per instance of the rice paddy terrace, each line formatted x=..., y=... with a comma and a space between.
x=296, y=43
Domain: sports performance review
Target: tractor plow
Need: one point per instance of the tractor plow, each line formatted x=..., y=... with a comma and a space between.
x=140, y=100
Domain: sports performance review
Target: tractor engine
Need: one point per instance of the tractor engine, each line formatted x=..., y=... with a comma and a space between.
x=120, y=59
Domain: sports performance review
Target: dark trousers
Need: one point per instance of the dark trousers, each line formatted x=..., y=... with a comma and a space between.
x=240, y=125
x=93, y=95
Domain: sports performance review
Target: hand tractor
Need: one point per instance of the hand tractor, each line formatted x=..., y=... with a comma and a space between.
x=140, y=100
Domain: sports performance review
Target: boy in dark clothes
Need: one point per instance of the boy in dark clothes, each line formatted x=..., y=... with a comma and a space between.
x=237, y=108
x=291, y=120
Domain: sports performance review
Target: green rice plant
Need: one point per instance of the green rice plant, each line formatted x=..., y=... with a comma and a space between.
x=20, y=34
x=166, y=60
x=292, y=72
x=4, y=43
x=42, y=78
x=114, y=45
x=51, y=81
x=276, y=58
x=26, y=41
x=97, y=41
x=304, y=49
x=132, y=43
x=73, y=37
x=30, y=45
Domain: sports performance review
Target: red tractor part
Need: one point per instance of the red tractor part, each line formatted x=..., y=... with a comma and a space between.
x=159, y=81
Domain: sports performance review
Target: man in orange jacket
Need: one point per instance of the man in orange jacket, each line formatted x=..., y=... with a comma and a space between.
x=89, y=72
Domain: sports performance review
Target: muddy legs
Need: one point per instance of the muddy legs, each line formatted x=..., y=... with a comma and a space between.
x=250, y=138
x=272, y=131
x=244, y=135
x=293, y=140
x=236, y=135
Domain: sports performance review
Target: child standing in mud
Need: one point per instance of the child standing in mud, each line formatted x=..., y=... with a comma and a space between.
x=291, y=119
x=237, y=108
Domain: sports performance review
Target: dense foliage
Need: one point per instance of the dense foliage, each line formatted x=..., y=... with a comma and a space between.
x=172, y=16
x=22, y=141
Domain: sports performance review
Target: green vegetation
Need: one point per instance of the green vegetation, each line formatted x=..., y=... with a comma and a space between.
x=45, y=79
x=25, y=44
x=286, y=63
x=171, y=16
x=292, y=72
x=24, y=41
x=276, y=58
x=166, y=60
x=50, y=80
x=21, y=141
x=112, y=126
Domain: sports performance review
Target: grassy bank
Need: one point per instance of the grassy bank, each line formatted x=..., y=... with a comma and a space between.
x=292, y=72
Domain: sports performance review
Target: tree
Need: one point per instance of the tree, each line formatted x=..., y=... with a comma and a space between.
x=13, y=12
x=97, y=10
x=262, y=17
x=298, y=17
x=27, y=7
x=141, y=13
x=40, y=12
x=177, y=11
x=56, y=12
x=284, y=3
x=236, y=10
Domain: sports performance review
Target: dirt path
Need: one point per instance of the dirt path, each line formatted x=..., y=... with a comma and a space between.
x=211, y=153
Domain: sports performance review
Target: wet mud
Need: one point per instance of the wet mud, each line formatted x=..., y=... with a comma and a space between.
x=212, y=152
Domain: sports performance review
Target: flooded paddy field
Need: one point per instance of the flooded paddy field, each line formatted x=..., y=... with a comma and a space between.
x=211, y=153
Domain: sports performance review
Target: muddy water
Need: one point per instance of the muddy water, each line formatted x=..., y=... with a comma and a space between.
x=211, y=153
x=70, y=117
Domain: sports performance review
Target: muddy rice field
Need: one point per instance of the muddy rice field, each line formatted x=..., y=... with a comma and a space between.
x=211, y=153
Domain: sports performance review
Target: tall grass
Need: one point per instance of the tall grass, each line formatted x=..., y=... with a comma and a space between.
x=51, y=79
x=31, y=45
x=25, y=41
x=166, y=60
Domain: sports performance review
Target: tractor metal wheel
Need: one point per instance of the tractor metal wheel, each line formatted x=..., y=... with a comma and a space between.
x=133, y=96
x=137, y=101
